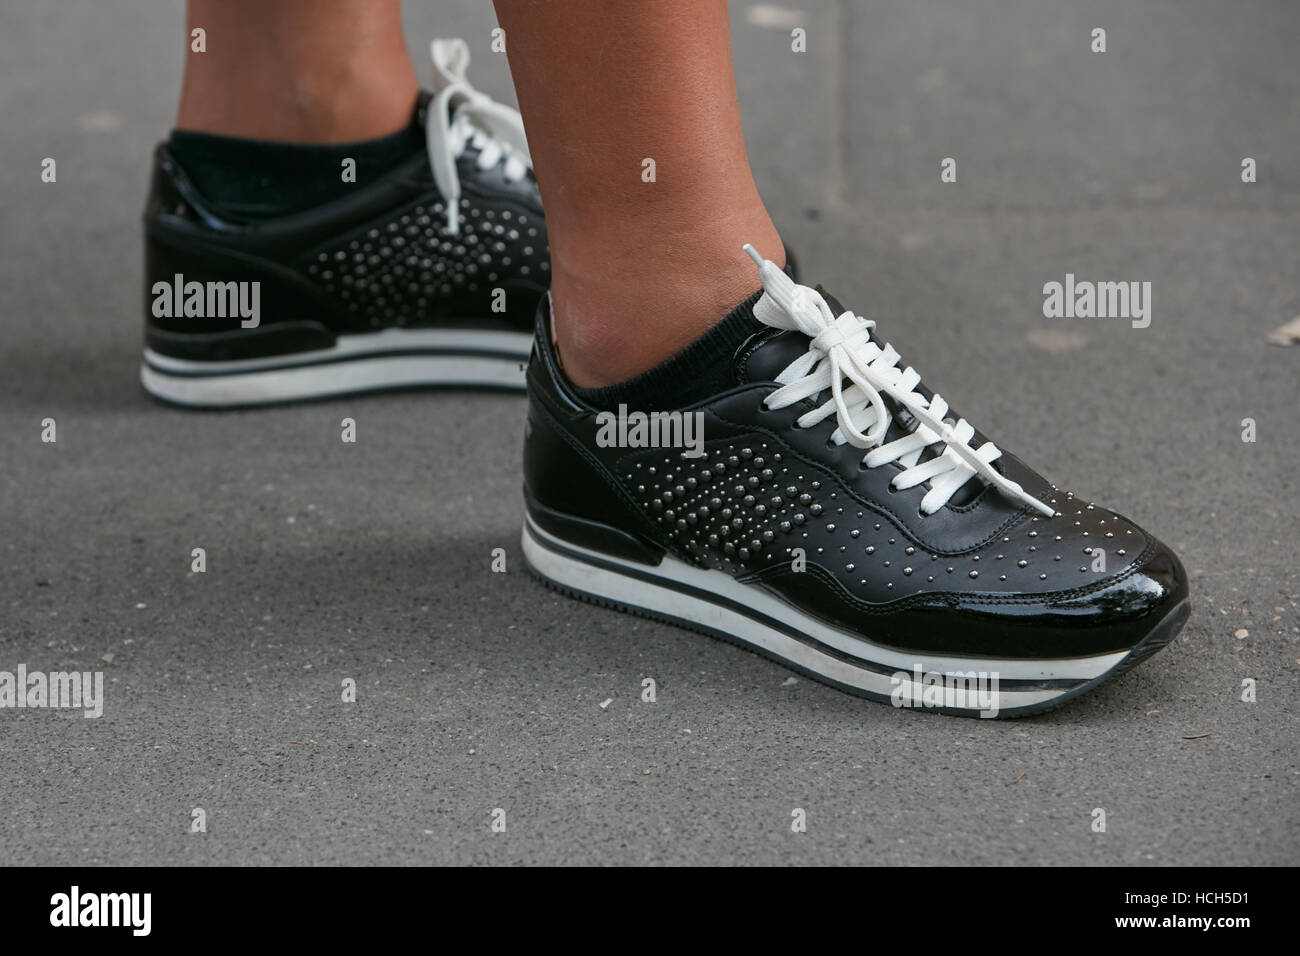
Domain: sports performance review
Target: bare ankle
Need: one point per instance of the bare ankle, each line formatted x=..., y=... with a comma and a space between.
x=282, y=72
x=300, y=111
x=614, y=323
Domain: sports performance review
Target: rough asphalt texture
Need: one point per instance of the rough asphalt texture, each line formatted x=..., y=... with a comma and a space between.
x=479, y=690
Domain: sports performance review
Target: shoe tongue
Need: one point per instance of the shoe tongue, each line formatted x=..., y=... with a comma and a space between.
x=425, y=101
x=422, y=103
x=836, y=308
x=767, y=353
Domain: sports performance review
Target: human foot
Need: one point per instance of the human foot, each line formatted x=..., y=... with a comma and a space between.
x=427, y=275
x=819, y=505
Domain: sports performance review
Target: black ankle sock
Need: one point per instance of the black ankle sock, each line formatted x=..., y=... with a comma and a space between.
x=256, y=179
x=701, y=369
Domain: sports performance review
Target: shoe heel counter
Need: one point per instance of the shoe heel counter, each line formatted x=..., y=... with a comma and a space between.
x=249, y=308
x=250, y=305
x=170, y=195
x=569, y=495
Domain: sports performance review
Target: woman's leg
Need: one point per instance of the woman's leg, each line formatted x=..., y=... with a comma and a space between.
x=639, y=268
x=298, y=70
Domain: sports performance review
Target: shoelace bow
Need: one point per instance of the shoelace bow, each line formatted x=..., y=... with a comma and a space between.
x=841, y=347
x=461, y=116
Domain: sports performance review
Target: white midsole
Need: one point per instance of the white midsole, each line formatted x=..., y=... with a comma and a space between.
x=357, y=344
x=336, y=378
x=636, y=592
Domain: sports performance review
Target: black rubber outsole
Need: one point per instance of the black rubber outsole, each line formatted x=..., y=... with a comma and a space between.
x=1158, y=637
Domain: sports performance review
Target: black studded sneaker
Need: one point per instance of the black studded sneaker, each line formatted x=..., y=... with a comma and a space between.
x=823, y=507
x=428, y=275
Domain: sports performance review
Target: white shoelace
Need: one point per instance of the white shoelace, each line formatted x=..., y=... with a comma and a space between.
x=460, y=116
x=841, y=347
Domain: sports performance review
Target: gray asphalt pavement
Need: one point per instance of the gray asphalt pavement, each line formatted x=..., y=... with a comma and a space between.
x=478, y=690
